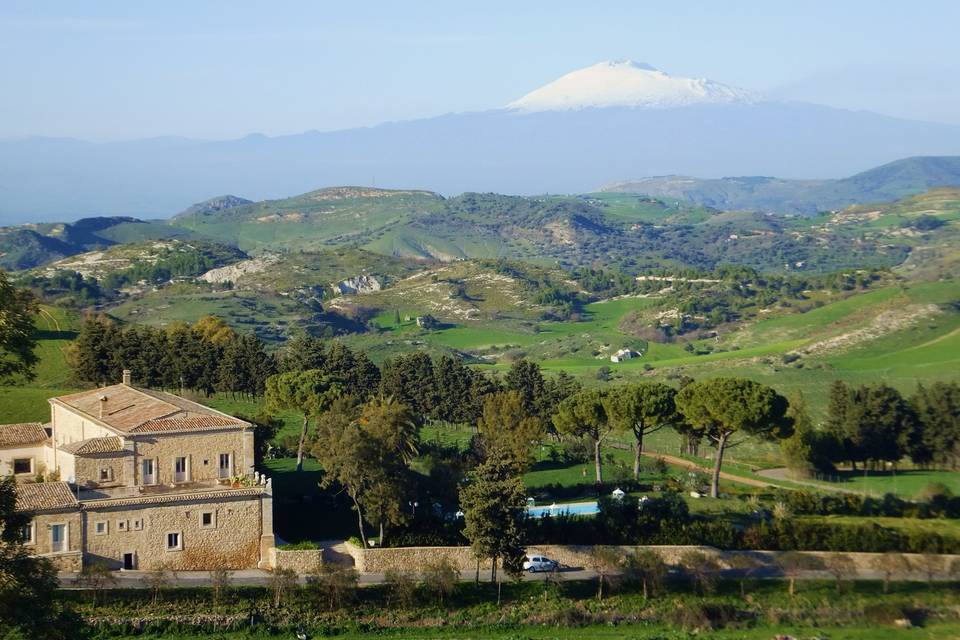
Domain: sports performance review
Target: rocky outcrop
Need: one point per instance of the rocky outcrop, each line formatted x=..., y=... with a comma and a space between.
x=357, y=284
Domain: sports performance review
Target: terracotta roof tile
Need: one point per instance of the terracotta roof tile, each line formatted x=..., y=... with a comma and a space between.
x=13, y=435
x=92, y=446
x=191, y=423
x=44, y=495
x=175, y=497
x=130, y=409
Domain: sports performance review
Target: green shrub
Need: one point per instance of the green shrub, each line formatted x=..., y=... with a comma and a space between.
x=303, y=545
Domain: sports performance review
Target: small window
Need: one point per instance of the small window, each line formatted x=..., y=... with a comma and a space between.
x=174, y=541
x=106, y=474
x=208, y=520
x=100, y=528
x=138, y=525
x=122, y=525
x=26, y=534
x=22, y=465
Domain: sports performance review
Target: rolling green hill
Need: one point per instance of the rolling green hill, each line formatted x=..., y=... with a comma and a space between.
x=29, y=246
x=891, y=181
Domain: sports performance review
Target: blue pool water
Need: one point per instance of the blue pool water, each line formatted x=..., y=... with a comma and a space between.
x=572, y=508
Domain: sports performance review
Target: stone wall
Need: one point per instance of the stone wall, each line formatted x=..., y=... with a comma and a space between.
x=70, y=561
x=87, y=469
x=42, y=532
x=415, y=559
x=202, y=451
x=301, y=562
x=232, y=541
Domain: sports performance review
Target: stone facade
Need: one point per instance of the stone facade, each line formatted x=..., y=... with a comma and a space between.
x=41, y=542
x=302, y=562
x=201, y=450
x=211, y=532
x=148, y=479
x=103, y=470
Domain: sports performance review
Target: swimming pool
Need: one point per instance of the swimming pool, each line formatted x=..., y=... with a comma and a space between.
x=570, y=509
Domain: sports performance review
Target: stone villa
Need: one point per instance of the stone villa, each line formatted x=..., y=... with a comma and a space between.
x=143, y=479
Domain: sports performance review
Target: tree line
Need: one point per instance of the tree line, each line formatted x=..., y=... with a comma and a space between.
x=875, y=425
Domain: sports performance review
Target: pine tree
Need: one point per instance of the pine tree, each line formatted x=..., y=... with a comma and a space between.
x=494, y=506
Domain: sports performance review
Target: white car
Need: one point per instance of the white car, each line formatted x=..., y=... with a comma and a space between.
x=534, y=564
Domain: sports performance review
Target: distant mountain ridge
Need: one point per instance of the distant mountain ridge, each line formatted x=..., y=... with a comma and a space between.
x=759, y=193
x=32, y=245
x=501, y=151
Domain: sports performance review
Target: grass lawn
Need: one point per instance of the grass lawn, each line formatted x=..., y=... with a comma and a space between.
x=945, y=527
x=906, y=483
x=26, y=400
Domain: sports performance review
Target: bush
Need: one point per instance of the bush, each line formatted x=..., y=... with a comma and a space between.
x=303, y=545
x=702, y=616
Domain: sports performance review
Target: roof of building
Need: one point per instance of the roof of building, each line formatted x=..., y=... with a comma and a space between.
x=91, y=446
x=41, y=496
x=16, y=435
x=191, y=423
x=128, y=409
x=183, y=496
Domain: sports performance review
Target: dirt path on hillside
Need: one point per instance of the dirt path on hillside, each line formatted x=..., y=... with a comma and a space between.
x=687, y=464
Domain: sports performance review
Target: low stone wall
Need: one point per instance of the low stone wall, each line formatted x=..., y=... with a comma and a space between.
x=301, y=562
x=70, y=561
x=579, y=555
x=409, y=559
x=416, y=559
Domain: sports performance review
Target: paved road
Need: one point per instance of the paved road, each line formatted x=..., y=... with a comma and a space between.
x=256, y=577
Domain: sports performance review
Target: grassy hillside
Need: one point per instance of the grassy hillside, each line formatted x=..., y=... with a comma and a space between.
x=33, y=245
x=26, y=400
x=891, y=181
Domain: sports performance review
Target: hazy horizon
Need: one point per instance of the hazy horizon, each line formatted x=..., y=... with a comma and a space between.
x=221, y=71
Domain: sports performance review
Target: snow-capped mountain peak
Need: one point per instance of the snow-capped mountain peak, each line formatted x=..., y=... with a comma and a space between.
x=626, y=83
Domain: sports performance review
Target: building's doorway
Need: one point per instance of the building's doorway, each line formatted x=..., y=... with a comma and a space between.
x=149, y=472
x=129, y=561
x=225, y=468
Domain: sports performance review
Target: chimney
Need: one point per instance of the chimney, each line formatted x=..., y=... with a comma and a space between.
x=103, y=405
x=126, y=377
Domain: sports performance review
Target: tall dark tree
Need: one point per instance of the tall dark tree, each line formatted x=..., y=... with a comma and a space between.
x=937, y=408
x=302, y=353
x=493, y=501
x=506, y=430
x=17, y=336
x=525, y=378
x=354, y=370
x=90, y=353
x=838, y=423
x=880, y=423
x=410, y=379
x=459, y=390
x=28, y=607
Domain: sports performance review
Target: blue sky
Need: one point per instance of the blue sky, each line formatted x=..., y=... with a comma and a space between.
x=119, y=70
